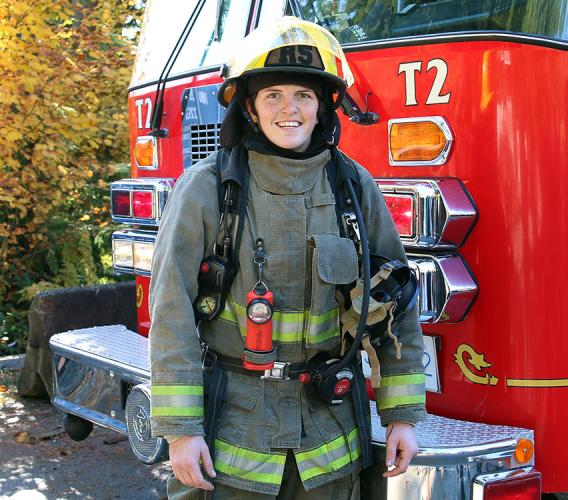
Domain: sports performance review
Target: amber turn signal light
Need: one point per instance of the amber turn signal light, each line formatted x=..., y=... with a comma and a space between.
x=145, y=152
x=419, y=141
x=524, y=451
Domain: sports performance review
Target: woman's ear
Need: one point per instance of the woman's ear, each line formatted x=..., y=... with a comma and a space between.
x=250, y=110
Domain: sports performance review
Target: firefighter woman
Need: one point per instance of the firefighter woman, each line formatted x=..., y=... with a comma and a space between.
x=241, y=398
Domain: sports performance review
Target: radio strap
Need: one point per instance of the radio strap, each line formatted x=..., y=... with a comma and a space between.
x=361, y=406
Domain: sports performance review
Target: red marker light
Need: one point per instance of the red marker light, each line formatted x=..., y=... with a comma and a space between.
x=143, y=204
x=304, y=378
x=521, y=487
x=401, y=208
x=120, y=203
x=204, y=268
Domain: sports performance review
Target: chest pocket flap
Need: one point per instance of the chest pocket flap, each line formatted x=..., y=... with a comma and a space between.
x=335, y=259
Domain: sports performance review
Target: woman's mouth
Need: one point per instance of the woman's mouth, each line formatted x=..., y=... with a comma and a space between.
x=289, y=124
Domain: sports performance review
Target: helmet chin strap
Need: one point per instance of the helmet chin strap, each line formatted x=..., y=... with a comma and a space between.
x=242, y=97
x=331, y=139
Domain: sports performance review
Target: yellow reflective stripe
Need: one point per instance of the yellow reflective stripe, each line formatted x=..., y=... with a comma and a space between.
x=392, y=380
x=352, y=439
x=304, y=456
x=318, y=319
x=176, y=390
x=322, y=336
x=289, y=327
x=257, y=456
x=392, y=402
x=398, y=390
x=176, y=411
x=176, y=400
x=259, y=477
x=248, y=464
x=319, y=460
x=322, y=327
x=228, y=316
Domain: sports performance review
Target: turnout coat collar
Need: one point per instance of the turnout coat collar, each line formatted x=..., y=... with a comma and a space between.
x=286, y=176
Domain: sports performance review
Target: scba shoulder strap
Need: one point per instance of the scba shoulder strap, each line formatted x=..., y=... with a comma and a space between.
x=233, y=177
x=218, y=270
x=339, y=169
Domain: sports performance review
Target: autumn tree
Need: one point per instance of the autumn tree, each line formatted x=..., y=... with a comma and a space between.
x=64, y=69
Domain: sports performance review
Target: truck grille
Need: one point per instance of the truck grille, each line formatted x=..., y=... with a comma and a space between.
x=204, y=140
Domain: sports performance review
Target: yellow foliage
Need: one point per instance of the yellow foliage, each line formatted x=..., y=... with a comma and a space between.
x=65, y=70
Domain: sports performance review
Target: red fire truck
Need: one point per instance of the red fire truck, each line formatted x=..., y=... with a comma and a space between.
x=459, y=110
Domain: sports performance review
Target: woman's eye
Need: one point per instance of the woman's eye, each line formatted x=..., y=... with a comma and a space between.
x=305, y=95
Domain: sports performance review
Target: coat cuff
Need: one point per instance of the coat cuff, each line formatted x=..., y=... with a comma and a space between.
x=167, y=428
x=410, y=414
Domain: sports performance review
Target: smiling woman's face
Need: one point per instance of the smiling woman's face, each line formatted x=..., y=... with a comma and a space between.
x=286, y=114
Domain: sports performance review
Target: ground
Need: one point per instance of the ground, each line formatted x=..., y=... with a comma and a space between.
x=40, y=462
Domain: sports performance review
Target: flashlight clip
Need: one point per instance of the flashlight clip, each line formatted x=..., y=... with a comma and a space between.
x=260, y=260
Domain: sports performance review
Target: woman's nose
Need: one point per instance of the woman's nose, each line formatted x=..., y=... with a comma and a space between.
x=289, y=104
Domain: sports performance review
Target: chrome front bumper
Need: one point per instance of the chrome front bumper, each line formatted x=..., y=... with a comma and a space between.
x=452, y=453
x=95, y=369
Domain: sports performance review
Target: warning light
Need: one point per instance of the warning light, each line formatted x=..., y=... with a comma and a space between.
x=143, y=204
x=145, y=152
x=430, y=213
x=520, y=484
x=120, y=203
x=132, y=251
x=139, y=201
x=419, y=141
x=401, y=208
x=524, y=451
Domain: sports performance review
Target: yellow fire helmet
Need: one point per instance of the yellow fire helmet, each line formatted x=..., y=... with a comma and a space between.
x=288, y=45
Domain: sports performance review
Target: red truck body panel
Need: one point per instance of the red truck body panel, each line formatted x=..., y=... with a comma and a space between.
x=507, y=109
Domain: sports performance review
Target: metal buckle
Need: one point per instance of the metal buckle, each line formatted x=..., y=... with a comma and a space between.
x=351, y=222
x=204, y=353
x=278, y=372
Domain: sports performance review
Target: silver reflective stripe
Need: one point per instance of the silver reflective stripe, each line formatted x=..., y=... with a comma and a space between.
x=322, y=327
x=176, y=400
x=397, y=390
x=250, y=465
x=328, y=457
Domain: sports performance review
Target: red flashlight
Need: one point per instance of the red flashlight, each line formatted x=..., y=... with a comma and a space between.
x=259, y=328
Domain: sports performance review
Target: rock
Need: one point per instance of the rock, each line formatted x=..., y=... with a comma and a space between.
x=56, y=311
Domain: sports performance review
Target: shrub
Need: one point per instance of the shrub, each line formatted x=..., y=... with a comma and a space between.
x=65, y=68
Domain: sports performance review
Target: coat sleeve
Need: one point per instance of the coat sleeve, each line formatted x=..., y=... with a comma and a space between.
x=401, y=396
x=187, y=231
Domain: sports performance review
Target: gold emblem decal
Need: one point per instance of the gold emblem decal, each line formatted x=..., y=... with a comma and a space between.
x=476, y=361
x=139, y=295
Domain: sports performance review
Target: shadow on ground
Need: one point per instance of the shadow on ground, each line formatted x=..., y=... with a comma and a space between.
x=38, y=460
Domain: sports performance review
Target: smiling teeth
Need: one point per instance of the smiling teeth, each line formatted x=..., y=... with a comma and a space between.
x=289, y=124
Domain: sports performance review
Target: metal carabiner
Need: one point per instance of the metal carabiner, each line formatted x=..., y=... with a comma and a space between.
x=351, y=223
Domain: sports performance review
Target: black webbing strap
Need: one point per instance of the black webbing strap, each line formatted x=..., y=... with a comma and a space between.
x=361, y=404
x=215, y=383
x=233, y=177
x=338, y=169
